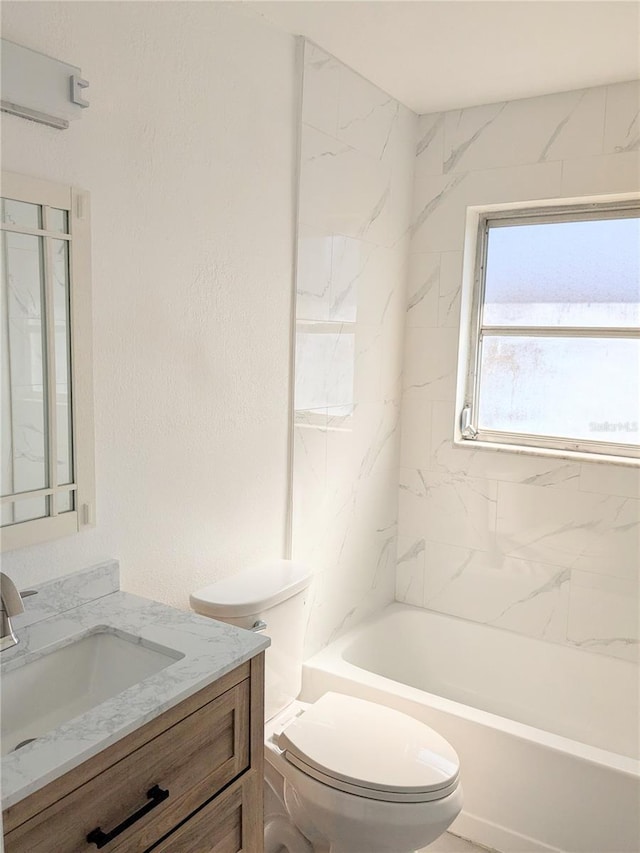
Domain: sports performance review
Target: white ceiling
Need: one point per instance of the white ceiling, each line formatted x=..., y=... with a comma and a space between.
x=442, y=54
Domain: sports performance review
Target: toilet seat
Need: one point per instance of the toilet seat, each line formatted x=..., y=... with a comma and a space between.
x=370, y=750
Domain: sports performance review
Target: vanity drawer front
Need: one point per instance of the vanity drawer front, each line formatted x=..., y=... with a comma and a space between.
x=225, y=825
x=192, y=760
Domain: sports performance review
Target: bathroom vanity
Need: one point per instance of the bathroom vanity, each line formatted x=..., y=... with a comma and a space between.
x=174, y=762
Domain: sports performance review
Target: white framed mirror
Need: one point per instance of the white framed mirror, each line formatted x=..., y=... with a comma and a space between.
x=47, y=446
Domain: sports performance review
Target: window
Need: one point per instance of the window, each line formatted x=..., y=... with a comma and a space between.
x=47, y=474
x=550, y=351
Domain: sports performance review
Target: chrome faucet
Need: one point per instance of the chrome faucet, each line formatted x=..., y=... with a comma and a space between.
x=10, y=605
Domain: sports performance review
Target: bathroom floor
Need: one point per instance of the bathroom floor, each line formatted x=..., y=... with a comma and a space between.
x=448, y=843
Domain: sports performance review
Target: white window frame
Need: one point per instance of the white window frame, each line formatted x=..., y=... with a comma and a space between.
x=466, y=432
x=77, y=203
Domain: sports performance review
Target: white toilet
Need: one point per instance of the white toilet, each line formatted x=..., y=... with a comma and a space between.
x=351, y=776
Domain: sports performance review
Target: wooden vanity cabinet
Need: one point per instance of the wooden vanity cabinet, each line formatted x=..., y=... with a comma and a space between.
x=190, y=781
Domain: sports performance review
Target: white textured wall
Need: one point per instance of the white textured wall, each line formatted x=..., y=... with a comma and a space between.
x=188, y=152
x=543, y=547
x=354, y=215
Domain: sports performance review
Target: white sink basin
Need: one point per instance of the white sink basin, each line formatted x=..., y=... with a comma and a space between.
x=45, y=692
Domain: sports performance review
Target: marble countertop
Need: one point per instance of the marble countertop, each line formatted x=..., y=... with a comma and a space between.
x=78, y=603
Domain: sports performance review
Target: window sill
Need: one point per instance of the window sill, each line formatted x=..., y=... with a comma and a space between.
x=548, y=452
x=39, y=530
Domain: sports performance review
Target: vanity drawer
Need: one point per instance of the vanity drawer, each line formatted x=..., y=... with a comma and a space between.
x=226, y=825
x=192, y=760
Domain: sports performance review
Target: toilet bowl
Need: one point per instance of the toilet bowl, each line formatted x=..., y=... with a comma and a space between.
x=346, y=775
x=362, y=778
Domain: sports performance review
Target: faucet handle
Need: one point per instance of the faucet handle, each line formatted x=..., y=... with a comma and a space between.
x=25, y=593
x=11, y=600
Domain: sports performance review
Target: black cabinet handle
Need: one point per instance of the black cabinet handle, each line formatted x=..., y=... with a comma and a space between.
x=156, y=796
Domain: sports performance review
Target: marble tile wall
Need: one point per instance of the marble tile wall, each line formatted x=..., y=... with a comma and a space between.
x=353, y=235
x=549, y=548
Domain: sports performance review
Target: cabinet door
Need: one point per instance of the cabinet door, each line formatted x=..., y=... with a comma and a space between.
x=227, y=824
x=137, y=801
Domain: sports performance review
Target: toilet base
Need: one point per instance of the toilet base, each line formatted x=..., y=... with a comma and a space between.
x=304, y=816
x=281, y=836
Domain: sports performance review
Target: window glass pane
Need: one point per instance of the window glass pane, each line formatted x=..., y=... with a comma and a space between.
x=21, y=213
x=24, y=510
x=564, y=273
x=60, y=264
x=24, y=416
x=57, y=220
x=65, y=502
x=568, y=387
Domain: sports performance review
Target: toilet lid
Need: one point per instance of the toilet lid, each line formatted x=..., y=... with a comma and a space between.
x=369, y=749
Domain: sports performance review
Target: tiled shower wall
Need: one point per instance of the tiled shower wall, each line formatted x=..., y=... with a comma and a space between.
x=543, y=547
x=354, y=216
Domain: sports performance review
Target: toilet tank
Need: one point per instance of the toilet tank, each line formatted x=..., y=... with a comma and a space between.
x=274, y=593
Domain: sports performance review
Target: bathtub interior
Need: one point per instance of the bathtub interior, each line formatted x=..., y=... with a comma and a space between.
x=589, y=698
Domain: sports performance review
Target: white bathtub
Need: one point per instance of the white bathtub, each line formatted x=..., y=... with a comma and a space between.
x=547, y=735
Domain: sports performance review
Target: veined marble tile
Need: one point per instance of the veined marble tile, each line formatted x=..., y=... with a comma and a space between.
x=367, y=369
x=306, y=548
x=383, y=580
x=423, y=290
x=440, y=202
x=610, y=479
x=415, y=440
x=393, y=347
x=608, y=173
x=410, y=571
x=412, y=497
x=430, y=363
x=310, y=448
x=460, y=510
x=358, y=552
x=494, y=464
x=366, y=115
x=402, y=144
x=450, y=289
x=350, y=260
x=321, y=89
x=343, y=190
x=596, y=533
x=376, y=521
x=604, y=615
x=527, y=597
x=384, y=286
x=358, y=447
x=363, y=276
x=430, y=144
x=316, y=633
x=343, y=597
x=622, y=125
x=389, y=222
x=463, y=146
x=313, y=284
x=531, y=130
